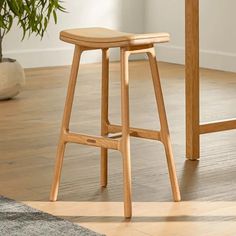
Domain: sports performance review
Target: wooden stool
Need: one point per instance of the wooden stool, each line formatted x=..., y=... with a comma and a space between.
x=101, y=38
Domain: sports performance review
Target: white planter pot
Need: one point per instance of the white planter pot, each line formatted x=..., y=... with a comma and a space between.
x=12, y=79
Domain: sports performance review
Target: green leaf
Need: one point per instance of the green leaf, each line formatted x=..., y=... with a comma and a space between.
x=32, y=16
x=10, y=22
x=55, y=16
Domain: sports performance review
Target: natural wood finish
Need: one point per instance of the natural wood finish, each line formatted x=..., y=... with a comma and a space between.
x=165, y=135
x=198, y=218
x=104, y=114
x=137, y=132
x=107, y=38
x=30, y=125
x=91, y=140
x=139, y=48
x=65, y=123
x=125, y=140
x=87, y=39
x=192, y=78
x=218, y=126
x=193, y=126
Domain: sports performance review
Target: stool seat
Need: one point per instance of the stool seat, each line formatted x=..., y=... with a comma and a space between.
x=104, y=38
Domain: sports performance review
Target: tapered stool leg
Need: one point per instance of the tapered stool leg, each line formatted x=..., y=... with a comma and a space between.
x=125, y=141
x=165, y=137
x=104, y=113
x=65, y=123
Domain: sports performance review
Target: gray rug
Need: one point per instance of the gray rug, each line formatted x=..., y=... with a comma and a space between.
x=17, y=219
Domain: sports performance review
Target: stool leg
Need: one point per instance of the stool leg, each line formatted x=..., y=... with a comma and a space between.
x=165, y=136
x=65, y=123
x=104, y=113
x=125, y=141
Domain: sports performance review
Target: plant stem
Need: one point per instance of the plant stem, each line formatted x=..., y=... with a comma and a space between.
x=1, y=38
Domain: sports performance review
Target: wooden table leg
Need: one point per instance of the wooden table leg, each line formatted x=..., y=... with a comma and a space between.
x=192, y=78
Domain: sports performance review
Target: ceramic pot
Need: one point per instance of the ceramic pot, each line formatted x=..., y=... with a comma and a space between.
x=12, y=78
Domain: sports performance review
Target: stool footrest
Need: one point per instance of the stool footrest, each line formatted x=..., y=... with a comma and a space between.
x=92, y=140
x=136, y=132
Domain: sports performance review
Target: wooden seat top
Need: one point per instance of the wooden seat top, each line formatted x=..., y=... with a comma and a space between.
x=106, y=38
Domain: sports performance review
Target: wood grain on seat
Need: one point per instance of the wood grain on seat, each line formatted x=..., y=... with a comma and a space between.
x=102, y=37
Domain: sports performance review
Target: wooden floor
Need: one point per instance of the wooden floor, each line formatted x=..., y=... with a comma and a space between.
x=29, y=129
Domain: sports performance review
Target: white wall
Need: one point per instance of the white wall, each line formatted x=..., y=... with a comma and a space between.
x=218, y=34
x=217, y=31
x=117, y=14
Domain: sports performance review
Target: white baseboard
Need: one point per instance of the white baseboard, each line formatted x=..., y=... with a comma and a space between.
x=167, y=53
x=58, y=57
x=208, y=59
x=41, y=58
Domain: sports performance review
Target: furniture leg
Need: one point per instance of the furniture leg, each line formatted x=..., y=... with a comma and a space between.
x=104, y=113
x=192, y=79
x=165, y=137
x=125, y=141
x=65, y=122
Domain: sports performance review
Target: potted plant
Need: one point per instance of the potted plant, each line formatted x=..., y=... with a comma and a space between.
x=32, y=16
